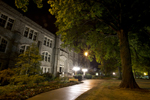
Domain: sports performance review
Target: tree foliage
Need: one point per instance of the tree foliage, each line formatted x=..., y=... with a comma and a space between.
x=79, y=21
x=84, y=24
x=29, y=61
x=23, y=4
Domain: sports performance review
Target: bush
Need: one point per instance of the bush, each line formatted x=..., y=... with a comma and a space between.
x=5, y=76
x=78, y=76
x=21, y=79
x=25, y=79
x=88, y=76
x=48, y=76
x=36, y=78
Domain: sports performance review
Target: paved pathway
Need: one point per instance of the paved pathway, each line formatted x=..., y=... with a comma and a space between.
x=67, y=93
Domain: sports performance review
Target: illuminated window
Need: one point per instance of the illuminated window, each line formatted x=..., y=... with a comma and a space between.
x=30, y=33
x=3, y=44
x=46, y=56
x=6, y=22
x=47, y=42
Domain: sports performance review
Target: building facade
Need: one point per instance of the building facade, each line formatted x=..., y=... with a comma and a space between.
x=17, y=33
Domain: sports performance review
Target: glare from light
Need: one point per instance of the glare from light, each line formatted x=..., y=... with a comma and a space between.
x=145, y=73
x=86, y=53
x=96, y=74
x=114, y=73
x=84, y=70
x=76, y=68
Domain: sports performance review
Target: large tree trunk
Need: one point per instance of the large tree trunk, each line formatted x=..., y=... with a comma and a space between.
x=128, y=80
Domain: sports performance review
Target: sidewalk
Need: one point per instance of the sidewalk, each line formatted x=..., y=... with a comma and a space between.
x=67, y=93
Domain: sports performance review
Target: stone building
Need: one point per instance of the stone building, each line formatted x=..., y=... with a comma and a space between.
x=17, y=33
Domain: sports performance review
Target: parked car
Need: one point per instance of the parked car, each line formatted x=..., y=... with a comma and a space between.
x=145, y=77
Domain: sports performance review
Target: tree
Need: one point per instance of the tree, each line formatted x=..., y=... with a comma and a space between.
x=140, y=50
x=79, y=20
x=28, y=63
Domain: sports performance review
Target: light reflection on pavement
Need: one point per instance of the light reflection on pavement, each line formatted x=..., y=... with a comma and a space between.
x=67, y=93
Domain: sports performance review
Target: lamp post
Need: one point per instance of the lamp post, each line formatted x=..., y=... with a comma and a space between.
x=76, y=69
x=86, y=54
x=84, y=70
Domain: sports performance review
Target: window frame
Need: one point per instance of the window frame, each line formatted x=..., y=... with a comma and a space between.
x=29, y=32
x=7, y=20
x=46, y=56
x=25, y=49
x=47, y=41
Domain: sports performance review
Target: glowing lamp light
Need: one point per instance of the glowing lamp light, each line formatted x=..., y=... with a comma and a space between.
x=114, y=73
x=84, y=70
x=96, y=74
x=145, y=73
x=76, y=68
x=86, y=53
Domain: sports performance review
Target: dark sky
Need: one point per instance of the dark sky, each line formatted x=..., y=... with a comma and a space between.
x=39, y=15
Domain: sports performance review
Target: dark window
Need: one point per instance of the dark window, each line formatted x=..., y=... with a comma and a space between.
x=31, y=34
x=45, y=70
x=3, y=20
x=45, y=39
x=35, y=35
x=48, y=58
x=10, y=24
x=50, y=44
x=60, y=69
x=22, y=49
x=3, y=44
x=26, y=32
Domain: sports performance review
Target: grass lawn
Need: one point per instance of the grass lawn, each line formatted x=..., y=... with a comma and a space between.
x=108, y=90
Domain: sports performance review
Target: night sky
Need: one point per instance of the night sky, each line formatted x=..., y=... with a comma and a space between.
x=39, y=15
x=42, y=17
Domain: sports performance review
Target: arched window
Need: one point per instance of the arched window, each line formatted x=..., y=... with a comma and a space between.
x=46, y=56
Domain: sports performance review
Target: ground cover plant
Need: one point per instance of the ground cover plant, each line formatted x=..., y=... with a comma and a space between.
x=23, y=92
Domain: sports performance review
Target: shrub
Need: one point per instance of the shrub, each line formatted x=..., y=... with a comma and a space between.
x=48, y=76
x=78, y=76
x=88, y=76
x=21, y=79
x=5, y=76
x=36, y=78
x=25, y=79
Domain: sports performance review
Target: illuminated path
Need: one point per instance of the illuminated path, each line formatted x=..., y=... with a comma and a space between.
x=67, y=93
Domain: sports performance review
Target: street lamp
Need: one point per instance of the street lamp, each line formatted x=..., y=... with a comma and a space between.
x=76, y=69
x=84, y=70
x=114, y=73
x=86, y=53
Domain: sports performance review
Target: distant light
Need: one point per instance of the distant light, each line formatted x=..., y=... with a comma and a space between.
x=76, y=68
x=114, y=73
x=86, y=53
x=145, y=73
x=84, y=70
x=96, y=74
